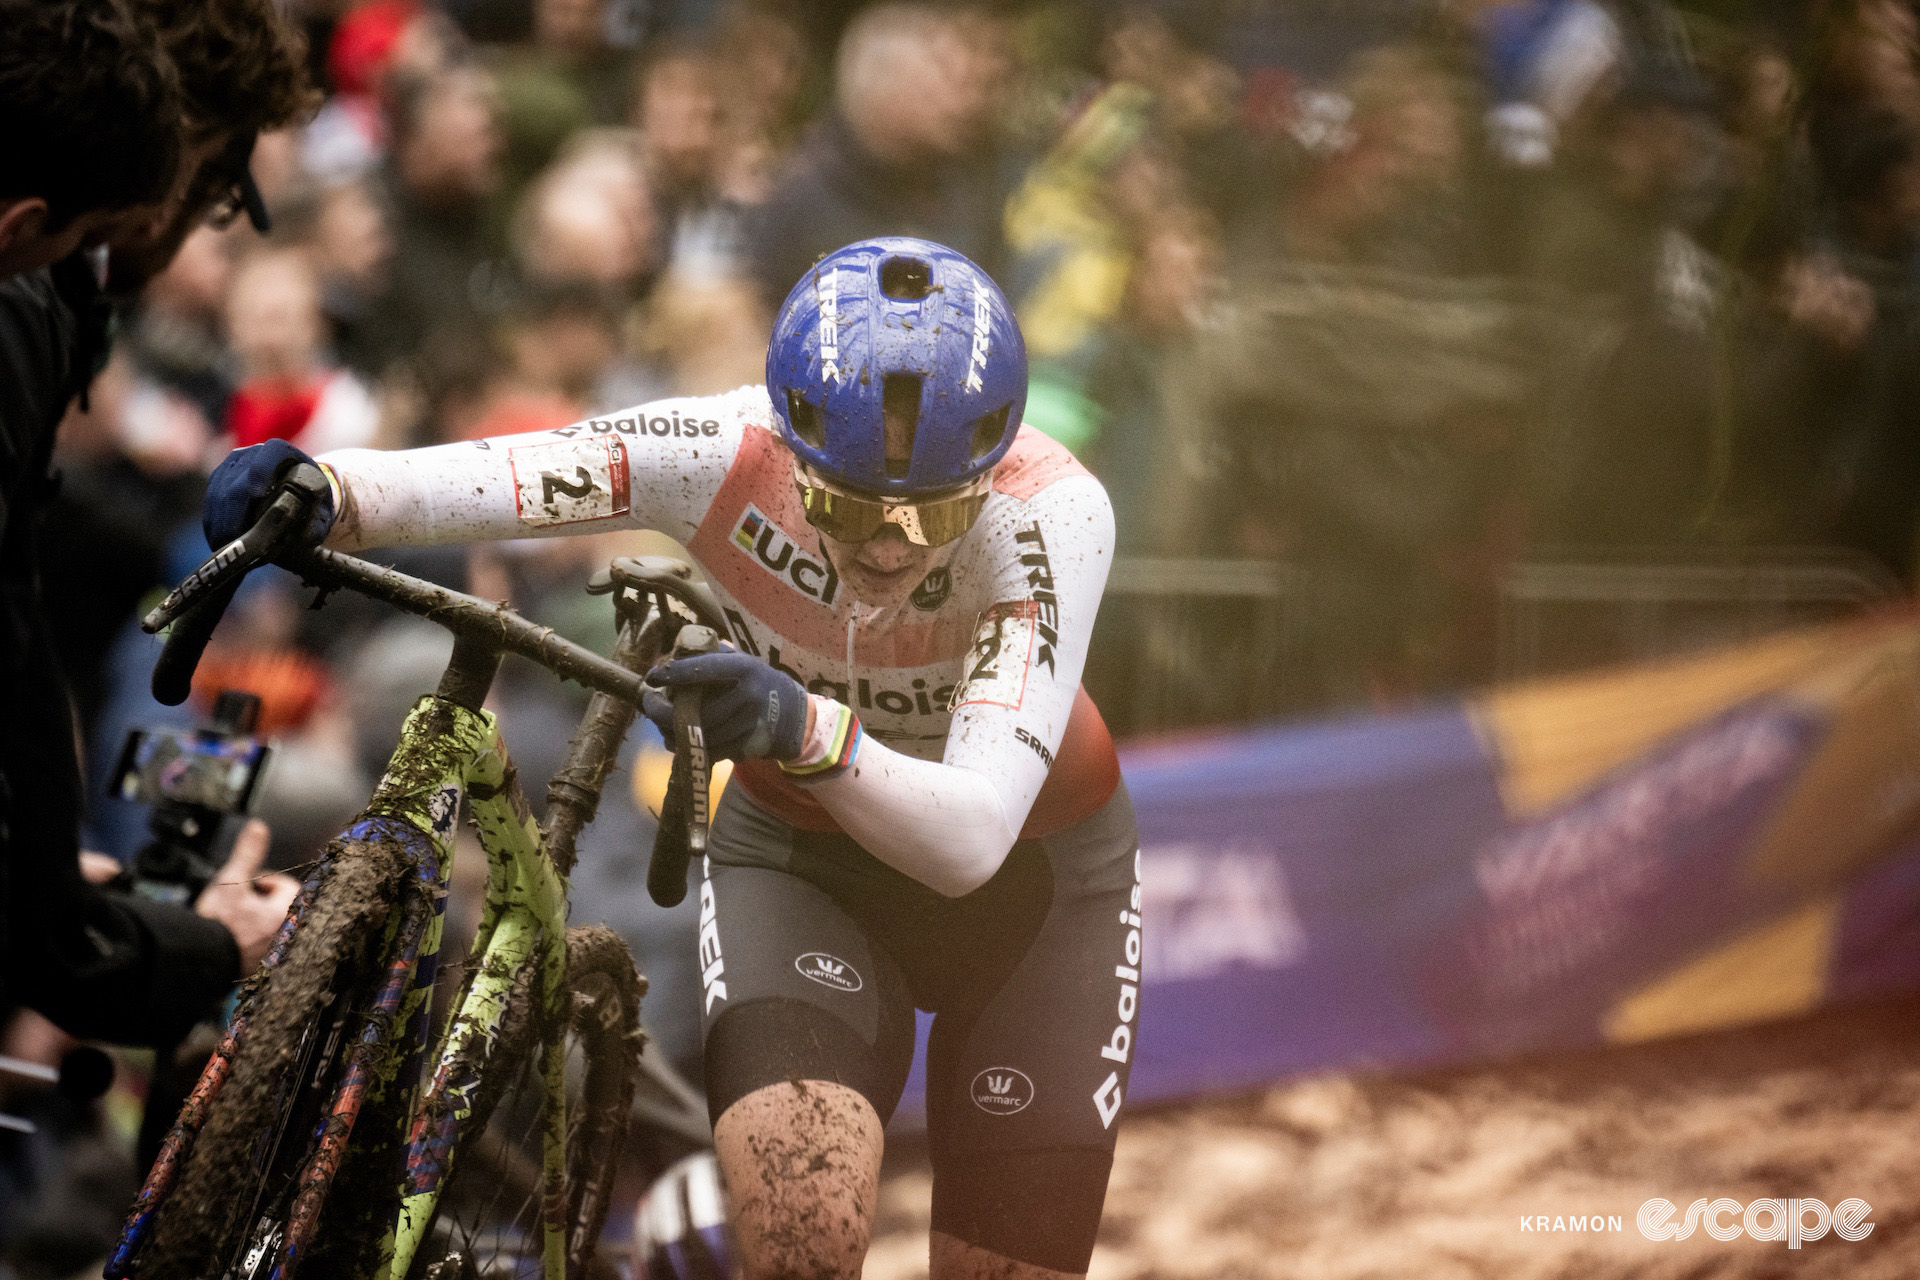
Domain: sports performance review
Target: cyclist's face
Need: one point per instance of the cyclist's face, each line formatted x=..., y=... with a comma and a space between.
x=883, y=571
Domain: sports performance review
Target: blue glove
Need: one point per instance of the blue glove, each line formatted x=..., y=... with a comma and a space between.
x=239, y=485
x=748, y=709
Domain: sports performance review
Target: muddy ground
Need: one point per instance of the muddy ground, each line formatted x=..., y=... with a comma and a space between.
x=1430, y=1176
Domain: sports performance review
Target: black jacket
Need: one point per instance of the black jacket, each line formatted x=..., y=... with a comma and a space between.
x=102, y=965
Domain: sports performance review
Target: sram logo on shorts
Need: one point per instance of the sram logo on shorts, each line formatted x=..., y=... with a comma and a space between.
x=779, y=555
x=1001, y=1091
x=828, y=971
x=569, y=481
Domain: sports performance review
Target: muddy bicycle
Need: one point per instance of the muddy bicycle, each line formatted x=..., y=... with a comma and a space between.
x=332, y=1129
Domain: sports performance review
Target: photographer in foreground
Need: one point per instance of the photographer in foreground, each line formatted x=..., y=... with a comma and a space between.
x=115, y=129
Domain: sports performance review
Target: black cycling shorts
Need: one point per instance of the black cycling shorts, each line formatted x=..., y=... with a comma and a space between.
x=815, y=954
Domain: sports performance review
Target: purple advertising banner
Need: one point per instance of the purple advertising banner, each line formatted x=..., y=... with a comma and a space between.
x=1390, y=891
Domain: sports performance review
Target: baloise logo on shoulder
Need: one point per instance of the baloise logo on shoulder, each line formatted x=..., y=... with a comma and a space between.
x=779, y=555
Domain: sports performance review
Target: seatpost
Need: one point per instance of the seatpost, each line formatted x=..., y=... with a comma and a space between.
x=469, y=674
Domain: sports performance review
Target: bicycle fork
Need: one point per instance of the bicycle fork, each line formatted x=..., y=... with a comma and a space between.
x=523, y=922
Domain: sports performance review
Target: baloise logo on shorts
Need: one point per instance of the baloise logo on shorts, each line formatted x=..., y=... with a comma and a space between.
x=828, y=971
x=1001, y=1091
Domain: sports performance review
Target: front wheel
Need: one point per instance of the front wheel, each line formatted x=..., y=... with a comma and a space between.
x=488, y=1223
x=311, y=1044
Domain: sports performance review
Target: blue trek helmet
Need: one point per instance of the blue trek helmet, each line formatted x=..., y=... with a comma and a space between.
x=905, y=329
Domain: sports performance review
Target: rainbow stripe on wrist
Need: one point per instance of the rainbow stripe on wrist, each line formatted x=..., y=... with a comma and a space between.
x=839, y=755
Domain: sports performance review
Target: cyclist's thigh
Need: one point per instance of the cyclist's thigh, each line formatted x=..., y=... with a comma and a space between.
x=1025, y=1088
x=792, y=987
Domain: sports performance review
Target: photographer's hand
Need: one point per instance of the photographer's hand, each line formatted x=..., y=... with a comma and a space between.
x=251, y=905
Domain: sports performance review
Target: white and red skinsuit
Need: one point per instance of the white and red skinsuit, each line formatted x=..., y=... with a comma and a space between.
x=940, y=794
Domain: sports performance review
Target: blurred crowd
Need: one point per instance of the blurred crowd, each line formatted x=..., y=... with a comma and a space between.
x=1391, y=291
x=1394, y=292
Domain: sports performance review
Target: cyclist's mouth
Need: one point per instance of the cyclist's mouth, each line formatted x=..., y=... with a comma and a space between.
x=884, y=577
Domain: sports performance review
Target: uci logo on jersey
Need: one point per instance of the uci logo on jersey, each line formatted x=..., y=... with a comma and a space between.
x=1001, y=1091
x=779, y=555
x=828, y=971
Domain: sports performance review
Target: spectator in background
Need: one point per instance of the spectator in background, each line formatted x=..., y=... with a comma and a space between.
x=373, y=43
x=906, y=150
x=1866, y=64
x=1079, y=227
x=352, y=248
x=686, y=148
x=1871, y=467
x=1642, y=430
x=572, y=36
x=443, y=169
x=288, y=391
x=172, y=333
x=591, y=220
x=565, y=81
x=1168, y=51
x=587, y=243
x=1545, y=62
x=759, y=53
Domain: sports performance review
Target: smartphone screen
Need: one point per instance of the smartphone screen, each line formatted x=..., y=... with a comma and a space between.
x=206, y=770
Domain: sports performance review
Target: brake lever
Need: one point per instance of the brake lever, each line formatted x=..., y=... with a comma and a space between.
x=292, y=506
x=685, y=813
x=196, y=606
x=690, y=737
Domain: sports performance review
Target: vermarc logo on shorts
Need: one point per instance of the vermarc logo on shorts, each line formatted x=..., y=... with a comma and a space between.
x=1001, y=1091
x=828, y=971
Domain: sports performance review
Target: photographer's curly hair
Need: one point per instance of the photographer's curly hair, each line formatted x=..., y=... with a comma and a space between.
x=242, y=63
x=89, y=116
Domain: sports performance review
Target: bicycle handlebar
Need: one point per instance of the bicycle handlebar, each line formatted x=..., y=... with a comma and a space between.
x=196, y=605
x=642, y=588
x=468, y=615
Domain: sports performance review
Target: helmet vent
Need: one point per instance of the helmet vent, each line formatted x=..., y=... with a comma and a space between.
x=906, y=279
x=988, y=428
x=900, y=411
x=804, y=417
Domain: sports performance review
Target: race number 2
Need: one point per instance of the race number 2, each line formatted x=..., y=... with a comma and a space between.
x=996, y=670
x=569, y=481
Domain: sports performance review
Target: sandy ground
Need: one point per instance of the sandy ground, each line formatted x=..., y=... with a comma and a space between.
x=1344, y=1177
